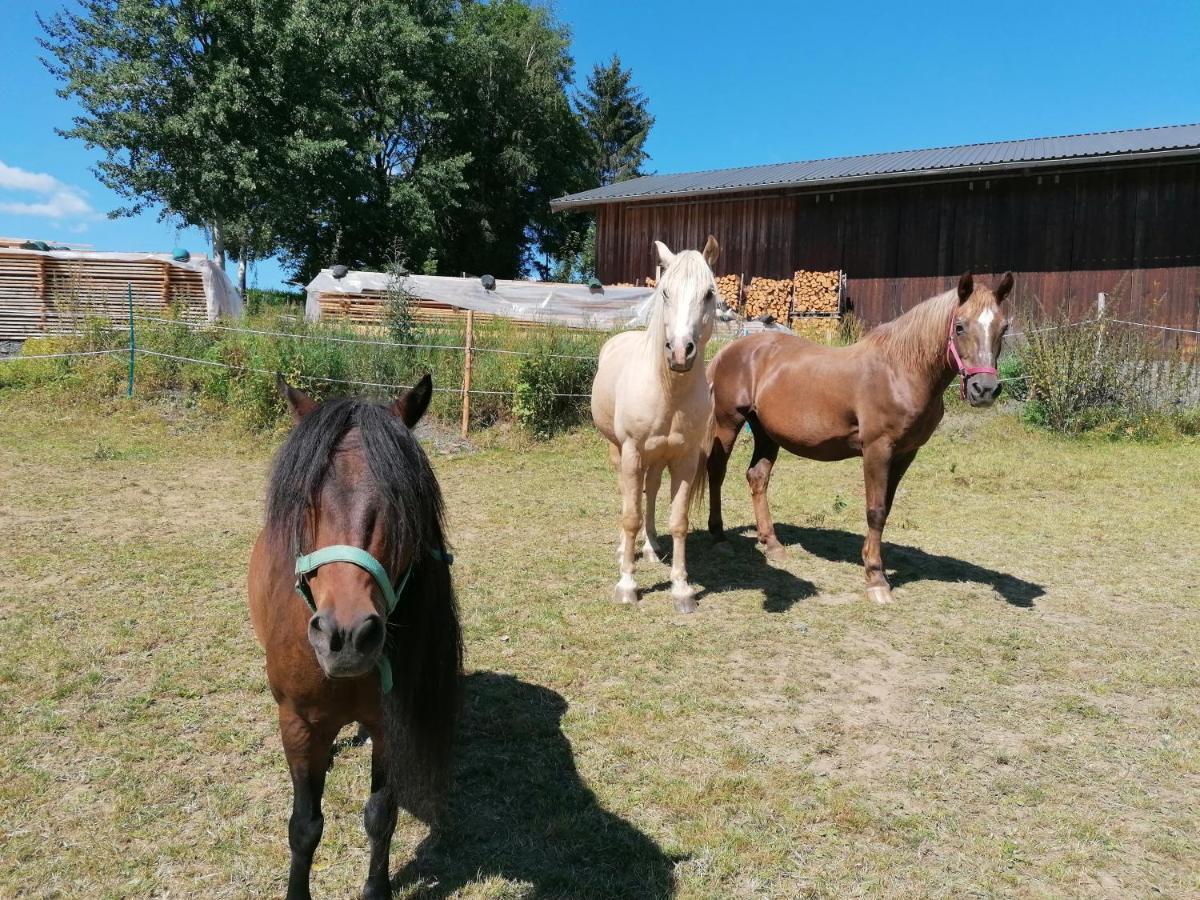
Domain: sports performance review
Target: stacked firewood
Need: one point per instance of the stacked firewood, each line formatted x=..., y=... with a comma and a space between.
x=651, y=282
x=815, y=292
x=768, y=297
x=730, y=288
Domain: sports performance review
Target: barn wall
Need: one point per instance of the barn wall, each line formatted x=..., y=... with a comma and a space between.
x=1133, y=233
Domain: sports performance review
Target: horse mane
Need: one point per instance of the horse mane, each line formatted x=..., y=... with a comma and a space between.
x=424, y=640
x=917, y=338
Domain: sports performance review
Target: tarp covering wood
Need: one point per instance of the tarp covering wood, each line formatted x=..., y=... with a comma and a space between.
x=574, y=305
x=45, y=292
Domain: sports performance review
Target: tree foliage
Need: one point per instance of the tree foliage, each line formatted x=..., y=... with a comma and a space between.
x=351, y=131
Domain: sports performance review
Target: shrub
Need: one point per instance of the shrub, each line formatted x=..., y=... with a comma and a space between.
x=551, y=392
x=1098, y=376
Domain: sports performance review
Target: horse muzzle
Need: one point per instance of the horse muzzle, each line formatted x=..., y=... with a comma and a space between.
x=681, y=355
x=982, y=390
x=346, y=651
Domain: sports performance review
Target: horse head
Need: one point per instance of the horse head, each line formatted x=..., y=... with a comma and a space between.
x=689, y=302
x=362, y=549
x=977, y=326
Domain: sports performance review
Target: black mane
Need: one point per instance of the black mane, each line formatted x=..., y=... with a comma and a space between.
x=408, y=491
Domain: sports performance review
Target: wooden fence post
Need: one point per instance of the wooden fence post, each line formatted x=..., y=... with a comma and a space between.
x=468, y=359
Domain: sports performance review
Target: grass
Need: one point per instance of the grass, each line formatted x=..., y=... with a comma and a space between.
x=1022, y=721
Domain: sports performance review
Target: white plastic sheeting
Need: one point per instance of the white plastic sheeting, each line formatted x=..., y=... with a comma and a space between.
x=222, y=299
x=574, y=305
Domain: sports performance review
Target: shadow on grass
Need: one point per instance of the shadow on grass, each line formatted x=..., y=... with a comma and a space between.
x=520, y=811
x=906, y=564
x=715, y=568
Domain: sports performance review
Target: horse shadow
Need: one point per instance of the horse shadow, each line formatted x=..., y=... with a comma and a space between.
x=909, y=563
x=716, y=568
x=518, y=809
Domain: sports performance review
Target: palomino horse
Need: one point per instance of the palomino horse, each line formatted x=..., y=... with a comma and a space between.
x=651, y=400
x=880, y=399
x=351, y=598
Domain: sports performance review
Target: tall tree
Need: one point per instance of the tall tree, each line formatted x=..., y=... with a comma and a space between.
x=615, y=115
x=186, y=101
x=511, y=72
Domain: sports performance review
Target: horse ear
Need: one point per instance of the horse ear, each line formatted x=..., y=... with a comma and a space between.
x=966, y=287
x=711, y=250
x=1003, y=288
x=665, y=256
x=299, y=403
x=411, y=405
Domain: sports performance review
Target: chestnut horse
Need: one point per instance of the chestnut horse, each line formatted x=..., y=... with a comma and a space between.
x=351, y=598
x=653, y=404
x=880, y=398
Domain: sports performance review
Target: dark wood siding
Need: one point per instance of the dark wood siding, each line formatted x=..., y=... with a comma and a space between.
x=1133, y=233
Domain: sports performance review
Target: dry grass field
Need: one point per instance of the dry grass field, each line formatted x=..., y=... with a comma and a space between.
x=1023, y=721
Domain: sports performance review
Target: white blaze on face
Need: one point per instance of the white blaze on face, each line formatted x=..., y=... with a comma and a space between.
x=985, y=351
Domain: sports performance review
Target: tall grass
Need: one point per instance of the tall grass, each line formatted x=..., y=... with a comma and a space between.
x=232, y=371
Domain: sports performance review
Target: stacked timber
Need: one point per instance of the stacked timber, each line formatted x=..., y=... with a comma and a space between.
x=651, y=282
x=730, y=288
x=768, y=297
x=45, y=294
x=816, y=293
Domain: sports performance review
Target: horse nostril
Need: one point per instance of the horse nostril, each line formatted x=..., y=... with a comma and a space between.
x=668, y=345
x=691, y=348
x=369, y=634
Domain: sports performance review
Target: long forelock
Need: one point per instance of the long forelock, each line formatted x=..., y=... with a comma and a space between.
x=411, y=504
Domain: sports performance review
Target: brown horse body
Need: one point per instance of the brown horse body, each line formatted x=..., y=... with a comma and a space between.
x=880, y=398
x=352, y=475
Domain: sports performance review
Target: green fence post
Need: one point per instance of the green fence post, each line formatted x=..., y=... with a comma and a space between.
x=132, y=340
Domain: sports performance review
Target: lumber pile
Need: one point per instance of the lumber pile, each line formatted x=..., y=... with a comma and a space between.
x=42, y=294
x=651, y=282
x=821, y=329
x=730, y=288
x=768, y=297
x=816, y=293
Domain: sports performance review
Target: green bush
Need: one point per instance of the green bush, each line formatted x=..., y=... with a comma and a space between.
x=1110, y=379
x=551, y=392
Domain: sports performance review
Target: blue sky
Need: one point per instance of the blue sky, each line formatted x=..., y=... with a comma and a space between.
x=730, y=84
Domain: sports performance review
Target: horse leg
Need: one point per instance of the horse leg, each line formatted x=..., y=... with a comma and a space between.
x=650, y=549
x=759, y=477
x=877, y=466
x=897, y=468
x=307, y=750
x=684, y=473
x=718, y=460
x=379, y=819
x=632, y=483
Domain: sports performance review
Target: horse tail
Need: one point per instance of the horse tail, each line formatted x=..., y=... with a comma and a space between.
x=420, y=713
x=699, y=485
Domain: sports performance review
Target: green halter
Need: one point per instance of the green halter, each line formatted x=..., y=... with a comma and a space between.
x=306, y=565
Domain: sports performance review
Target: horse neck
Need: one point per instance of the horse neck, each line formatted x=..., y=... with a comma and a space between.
x=915, y=343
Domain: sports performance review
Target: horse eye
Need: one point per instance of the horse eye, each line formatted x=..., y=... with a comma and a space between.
x=960, y=328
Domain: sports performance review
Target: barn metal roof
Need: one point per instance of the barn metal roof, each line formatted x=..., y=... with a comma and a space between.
x=968, y=159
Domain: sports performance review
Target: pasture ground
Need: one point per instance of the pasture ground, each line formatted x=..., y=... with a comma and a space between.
x=1023, y=721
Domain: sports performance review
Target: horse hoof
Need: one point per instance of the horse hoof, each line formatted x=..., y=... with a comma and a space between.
x=650, y=553
x=685, y=602
x=626, y=596
x=775, y=552
x=377, y=890
x=881, y=595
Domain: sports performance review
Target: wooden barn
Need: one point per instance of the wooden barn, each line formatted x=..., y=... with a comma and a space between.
x=1072, y=217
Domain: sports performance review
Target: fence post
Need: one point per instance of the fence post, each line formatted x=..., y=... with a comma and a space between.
x=1101, y=303
x=468, y=359
x=132, y=340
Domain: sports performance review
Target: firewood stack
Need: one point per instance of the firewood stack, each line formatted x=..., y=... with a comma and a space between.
x=730, y=288
x=768, y=297
x=815, y=293
x=651, y=282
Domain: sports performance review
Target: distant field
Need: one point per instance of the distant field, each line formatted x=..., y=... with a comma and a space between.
x=1023, y=721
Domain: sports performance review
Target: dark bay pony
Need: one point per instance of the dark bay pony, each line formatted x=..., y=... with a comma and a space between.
x=880, y=398
x=351, y=598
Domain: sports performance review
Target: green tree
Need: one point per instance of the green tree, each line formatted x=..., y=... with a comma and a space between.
x=511, y=72
x=191, y=103
x=615, y=115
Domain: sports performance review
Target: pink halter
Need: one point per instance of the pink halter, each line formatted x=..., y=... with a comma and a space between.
x=964, y=371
